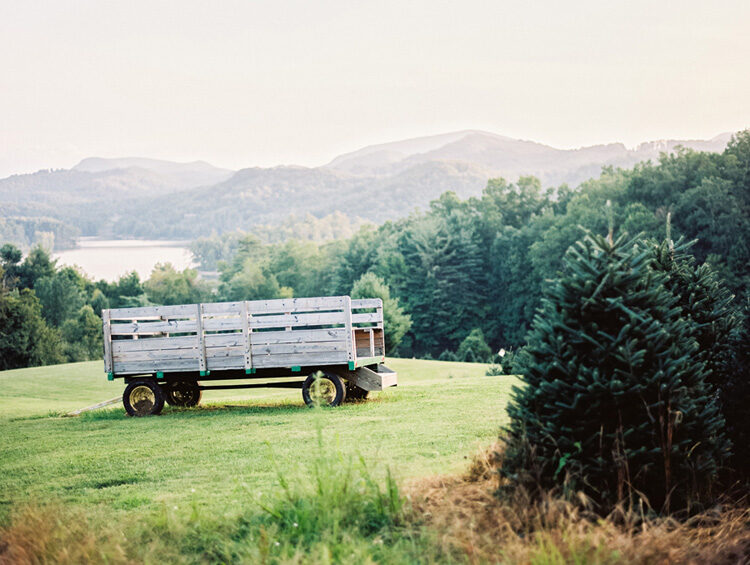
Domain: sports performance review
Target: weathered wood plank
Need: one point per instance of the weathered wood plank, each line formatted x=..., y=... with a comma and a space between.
x=368, y=317
x=109, y=402
x=360, y=303
x=107, y=341
x=163, y=312
x=371, y=380
x=350, y=348
x=236, y=362
x=248, y=353
x=301, y=359
x=298, y=336
x=212, y=308
x=218, y=324
x=140, y=328
x=133, y=367
x=297, y=320
x=201, y=339
x=155, y=344
x=380, y=333
x=293, y=348
x=225, y=340
x=215, y=352
x=281, y=305
x=158, y=356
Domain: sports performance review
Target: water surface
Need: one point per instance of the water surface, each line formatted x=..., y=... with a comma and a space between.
x=110, y=259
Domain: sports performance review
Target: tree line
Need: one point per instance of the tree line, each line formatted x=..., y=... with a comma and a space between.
x=461, y=279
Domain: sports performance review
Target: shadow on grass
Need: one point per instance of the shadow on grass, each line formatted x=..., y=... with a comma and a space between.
x=208, y=410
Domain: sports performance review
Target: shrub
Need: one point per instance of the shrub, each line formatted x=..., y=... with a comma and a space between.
x=474, y=348
x=447, y=355
x=613, y=402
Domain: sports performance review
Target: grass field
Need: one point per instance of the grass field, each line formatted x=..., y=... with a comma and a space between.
x=257, y=477
x=236, y=441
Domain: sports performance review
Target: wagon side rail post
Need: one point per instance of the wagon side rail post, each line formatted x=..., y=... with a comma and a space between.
x=379, y=311
x=107, y=342
x=201, y=340
x=246, y=325
x=351, y=342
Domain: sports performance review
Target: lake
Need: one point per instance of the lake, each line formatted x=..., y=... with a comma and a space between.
x=110, y=259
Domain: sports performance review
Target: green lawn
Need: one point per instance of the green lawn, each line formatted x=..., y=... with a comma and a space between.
x=237, y=442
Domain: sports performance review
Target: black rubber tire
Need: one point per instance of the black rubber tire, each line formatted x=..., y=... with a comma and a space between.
x=151, y=404
x=354, y=393
x=338, y=386
x=182, y=393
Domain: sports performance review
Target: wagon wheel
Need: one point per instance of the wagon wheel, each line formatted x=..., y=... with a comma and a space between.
x=353, y=392
x=143, y=397
x=183, y=393
x=323, y=389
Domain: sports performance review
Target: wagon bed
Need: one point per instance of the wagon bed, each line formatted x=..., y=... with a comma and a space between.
x=249, y=339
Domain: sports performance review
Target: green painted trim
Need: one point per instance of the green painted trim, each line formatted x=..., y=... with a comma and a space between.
x=352, y=366
x=159, y=375
x=367, y=361
x=110, y=376
x=296, y=369
x=250, y=371
x=205, y=373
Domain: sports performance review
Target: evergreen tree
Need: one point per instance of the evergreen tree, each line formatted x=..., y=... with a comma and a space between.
x=613, y=402
x=735, y=392
x=705, y=303
x=474, y=348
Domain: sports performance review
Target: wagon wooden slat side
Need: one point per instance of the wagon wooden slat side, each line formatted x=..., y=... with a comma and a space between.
x=163, y=351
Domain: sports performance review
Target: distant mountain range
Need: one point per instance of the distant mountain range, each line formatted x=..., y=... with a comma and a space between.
x=503, y=156
x=139, y=197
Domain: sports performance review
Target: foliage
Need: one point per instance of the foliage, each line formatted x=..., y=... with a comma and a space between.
x=474, y=348
x=25, y=339
x=396, y=323
x=462, y=264
x=735, y=392
x=169, y=286
x=32, y=231
x=614, y=402
x=83, y=335
x=721, y=333
x=127, y=291
x=211, y=251
x=61, y=294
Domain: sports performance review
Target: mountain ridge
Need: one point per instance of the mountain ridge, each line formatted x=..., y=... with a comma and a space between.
x=143, y=197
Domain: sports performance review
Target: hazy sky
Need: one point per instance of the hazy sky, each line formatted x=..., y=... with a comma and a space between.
x=263, y=83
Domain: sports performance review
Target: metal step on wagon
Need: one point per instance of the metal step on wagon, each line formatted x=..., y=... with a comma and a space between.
x=331, y=347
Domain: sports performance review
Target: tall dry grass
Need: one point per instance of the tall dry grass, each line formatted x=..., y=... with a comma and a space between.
x=455, y=519
x=472, y=523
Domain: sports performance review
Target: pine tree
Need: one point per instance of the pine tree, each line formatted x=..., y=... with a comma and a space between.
x=717, y=327
x=704, y=301
x=613, y=402
x=735, y=392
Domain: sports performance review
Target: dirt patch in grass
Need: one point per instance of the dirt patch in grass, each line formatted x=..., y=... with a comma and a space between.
x=471, y=523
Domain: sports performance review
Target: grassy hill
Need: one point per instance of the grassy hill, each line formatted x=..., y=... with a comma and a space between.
x=237, y=440
x=257, y=477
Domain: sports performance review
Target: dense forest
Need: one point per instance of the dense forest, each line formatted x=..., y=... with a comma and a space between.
x=462, y=279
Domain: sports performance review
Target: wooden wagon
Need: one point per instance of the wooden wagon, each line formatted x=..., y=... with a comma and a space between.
x=333, y=348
